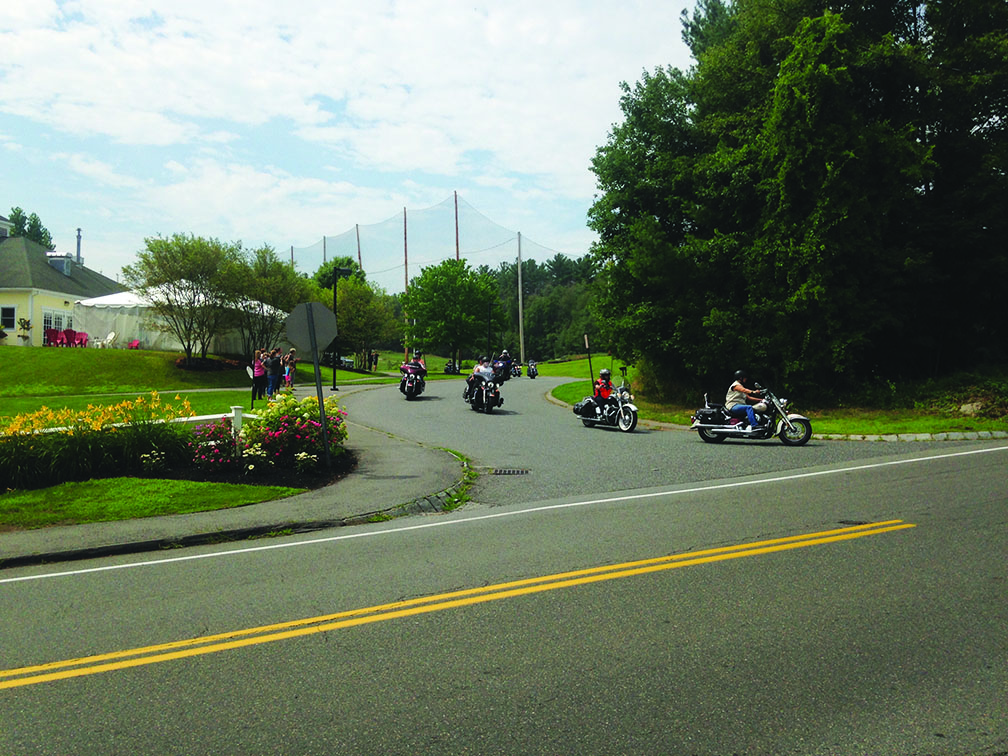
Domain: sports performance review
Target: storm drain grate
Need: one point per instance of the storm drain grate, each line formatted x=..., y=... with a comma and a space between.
x=508, y=471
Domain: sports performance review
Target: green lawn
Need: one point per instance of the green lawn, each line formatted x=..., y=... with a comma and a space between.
x=125, y=499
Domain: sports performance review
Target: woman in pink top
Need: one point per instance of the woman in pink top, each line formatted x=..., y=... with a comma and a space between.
x=258, y=376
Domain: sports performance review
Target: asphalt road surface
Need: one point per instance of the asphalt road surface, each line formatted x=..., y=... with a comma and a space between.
x=629, y=593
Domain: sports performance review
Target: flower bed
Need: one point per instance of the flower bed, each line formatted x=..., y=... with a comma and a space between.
x=135, y=438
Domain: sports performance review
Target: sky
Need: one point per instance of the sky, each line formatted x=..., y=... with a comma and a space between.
x=282, y=123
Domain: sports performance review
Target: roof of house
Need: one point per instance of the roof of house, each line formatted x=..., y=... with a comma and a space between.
x=25, y=265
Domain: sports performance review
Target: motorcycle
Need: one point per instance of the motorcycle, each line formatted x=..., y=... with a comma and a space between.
x=714, y=424
x=516, y=370
x=533, y=371
x=412, y=383
x=484, y=396
x=501, y=371
x=620, y=411
x=451, y=368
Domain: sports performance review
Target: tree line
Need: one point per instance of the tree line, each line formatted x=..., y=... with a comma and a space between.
x=820, y=198
x=200, y=287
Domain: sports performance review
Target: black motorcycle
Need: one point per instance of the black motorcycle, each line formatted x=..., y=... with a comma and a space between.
x=451, y=368
x=714, y=424
x=484, y=395
x=412, y=383
x=533, y=369
x=619, y=411
x=502, y=370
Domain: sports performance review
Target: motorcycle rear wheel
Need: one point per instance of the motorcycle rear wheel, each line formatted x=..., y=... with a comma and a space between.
x=627, y=420
x=587, y=423
x=710, y=437
x=802, y=433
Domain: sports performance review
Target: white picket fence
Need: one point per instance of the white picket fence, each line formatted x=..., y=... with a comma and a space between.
x=237, y=417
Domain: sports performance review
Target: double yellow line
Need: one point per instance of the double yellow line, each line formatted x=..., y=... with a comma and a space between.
x=209, y=644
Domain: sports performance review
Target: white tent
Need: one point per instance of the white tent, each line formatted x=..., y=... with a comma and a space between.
x=128, y=315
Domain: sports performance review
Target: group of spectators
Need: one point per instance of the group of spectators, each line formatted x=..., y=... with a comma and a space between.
x=272, y=370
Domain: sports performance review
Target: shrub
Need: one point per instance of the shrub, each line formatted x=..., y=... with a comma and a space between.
x=288, y=432
x=212, y=447
x=47, y=447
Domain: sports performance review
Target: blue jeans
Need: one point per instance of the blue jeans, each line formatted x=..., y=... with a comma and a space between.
x=749, y=413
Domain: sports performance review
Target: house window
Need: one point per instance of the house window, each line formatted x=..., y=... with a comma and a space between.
x=7, y=317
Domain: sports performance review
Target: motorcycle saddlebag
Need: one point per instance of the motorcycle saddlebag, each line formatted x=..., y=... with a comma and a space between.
x=710, y=416
x=585, y=408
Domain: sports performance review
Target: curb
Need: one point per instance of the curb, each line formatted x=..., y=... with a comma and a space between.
x=432, y=504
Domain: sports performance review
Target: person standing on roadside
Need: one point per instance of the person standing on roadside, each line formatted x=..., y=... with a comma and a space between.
x=274, y=366
x=290, y=364
x=259, y=379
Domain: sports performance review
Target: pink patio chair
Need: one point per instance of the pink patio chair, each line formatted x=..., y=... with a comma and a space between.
x=81, y=339
x=135, y=344
x=51, y=337
x=69, y=337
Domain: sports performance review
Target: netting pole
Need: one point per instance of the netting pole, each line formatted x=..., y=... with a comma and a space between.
x=521, y=314
x=359, y=263
x=456, y=228
x=323, y=251
x=405, y=275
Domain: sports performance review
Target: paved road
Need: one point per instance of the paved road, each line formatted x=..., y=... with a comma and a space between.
x=704, y=612
x=563, y=458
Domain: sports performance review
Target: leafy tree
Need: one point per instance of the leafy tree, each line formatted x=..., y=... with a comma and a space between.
x=324, y=275
x=365, y=317
x=556, y=297
x=449, y=305
x=30, y=227
x=186, y=279
x=262, y=292
x=804, y=197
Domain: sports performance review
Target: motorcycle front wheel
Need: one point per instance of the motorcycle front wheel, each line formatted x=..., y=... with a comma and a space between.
x=710, y=437
x=801, y=434
x=627, y=420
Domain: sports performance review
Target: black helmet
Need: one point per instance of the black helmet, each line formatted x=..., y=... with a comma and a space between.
x=741, y=375
x=605, y=374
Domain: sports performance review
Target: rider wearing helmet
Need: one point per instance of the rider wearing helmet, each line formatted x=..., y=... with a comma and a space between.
x=604, y=389
x=740, y=398
x=480, y=372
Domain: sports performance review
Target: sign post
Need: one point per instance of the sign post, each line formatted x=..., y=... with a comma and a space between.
x=591, y=371
x=308, y=326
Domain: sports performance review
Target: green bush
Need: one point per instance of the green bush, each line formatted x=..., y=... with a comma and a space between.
x=212, y=447
x=288, y=432
x=39, y=460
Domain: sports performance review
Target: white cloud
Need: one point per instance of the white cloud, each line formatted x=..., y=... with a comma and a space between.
x=285, y=121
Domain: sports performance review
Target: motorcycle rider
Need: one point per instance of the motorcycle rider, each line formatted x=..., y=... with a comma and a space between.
x=506, y=363
x=740, y=399
x=481, y=371
x=603, y=390
x=415, y=365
